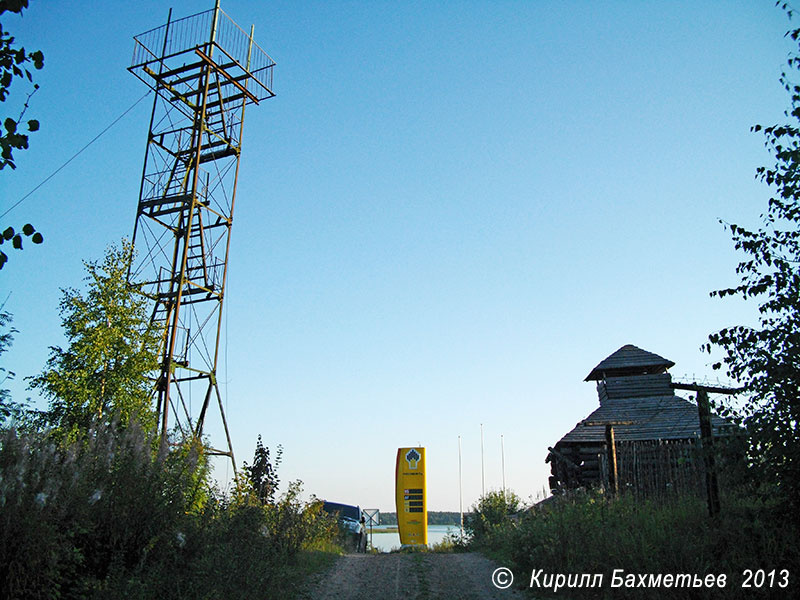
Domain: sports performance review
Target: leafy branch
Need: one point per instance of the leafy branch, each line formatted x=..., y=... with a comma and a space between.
x=14, y=63
x=10, y=235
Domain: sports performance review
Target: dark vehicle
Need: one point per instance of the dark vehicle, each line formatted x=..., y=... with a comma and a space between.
x=351, y=522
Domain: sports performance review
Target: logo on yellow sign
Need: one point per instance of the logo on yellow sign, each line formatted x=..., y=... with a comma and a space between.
x=412, y=458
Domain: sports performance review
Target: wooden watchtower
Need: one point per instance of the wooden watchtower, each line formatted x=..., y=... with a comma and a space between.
x=655, y=432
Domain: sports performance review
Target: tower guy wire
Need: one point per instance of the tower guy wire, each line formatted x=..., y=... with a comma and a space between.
x=74, y=156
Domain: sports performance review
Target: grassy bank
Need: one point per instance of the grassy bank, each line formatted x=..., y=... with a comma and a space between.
x=588, y=533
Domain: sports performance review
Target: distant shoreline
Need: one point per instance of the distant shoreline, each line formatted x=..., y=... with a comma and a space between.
x=393, y=528
x=435, y=517
x=385, y=529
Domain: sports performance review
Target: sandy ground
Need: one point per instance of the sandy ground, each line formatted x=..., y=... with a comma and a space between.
x=410, y=576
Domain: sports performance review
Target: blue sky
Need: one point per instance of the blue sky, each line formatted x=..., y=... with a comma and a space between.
x=451, y=208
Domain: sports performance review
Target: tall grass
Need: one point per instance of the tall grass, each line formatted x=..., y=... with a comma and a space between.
x=116, y=515
x=587, y=532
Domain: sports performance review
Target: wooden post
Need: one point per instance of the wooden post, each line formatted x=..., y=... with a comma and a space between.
x=707, y=441
x=611, y=453
x=707, y=438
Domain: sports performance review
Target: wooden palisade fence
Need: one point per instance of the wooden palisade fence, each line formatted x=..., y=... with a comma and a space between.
x=657, y=469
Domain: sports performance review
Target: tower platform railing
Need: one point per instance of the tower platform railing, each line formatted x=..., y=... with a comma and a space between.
x=166, y=49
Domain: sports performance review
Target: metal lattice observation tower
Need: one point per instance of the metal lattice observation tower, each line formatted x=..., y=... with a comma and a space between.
x=204, y=70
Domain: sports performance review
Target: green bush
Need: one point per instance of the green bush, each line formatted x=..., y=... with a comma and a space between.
x=491, y=518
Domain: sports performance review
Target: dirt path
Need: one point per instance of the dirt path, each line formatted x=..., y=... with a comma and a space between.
x=413, y=576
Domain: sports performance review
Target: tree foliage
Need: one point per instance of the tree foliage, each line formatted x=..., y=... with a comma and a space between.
x=112, y=348
x=765, y=358
x=263, y=475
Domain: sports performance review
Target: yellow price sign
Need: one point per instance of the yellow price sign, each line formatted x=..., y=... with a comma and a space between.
x=412, y=507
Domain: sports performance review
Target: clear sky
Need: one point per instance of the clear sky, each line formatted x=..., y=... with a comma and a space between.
x=451, y=209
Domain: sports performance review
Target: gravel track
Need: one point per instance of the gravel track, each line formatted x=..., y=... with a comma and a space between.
x=409, y=576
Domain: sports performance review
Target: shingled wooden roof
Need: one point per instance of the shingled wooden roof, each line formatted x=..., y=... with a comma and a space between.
x=629, y=360
x=667, y=417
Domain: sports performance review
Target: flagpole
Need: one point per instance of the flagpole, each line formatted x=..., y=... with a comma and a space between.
x=483, y=478
x=460, y=503
x=503, y=464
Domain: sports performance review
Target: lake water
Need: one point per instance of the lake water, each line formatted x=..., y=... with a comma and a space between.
x=384, y=541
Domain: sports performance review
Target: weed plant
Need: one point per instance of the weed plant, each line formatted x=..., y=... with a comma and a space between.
x=451, y=543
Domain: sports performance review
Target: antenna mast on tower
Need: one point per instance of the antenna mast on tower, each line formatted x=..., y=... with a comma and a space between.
x=204, y=70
